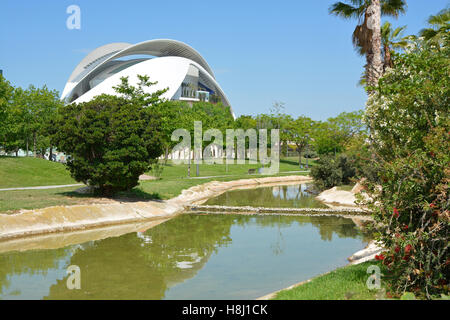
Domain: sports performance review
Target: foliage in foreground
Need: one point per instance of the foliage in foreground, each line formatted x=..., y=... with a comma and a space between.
x=111, y=140
x=408, y=118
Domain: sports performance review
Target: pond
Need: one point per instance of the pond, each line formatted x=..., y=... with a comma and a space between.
x=191, y=256
x=287, y=196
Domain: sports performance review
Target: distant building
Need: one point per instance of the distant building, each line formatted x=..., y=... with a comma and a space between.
x=173, y=64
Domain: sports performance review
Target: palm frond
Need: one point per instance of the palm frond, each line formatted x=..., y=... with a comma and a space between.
x=393, y=7
x=440, y=19
x=344, y=10
x=361, y=37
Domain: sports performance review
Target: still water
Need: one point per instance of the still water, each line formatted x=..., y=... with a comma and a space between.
x=288, y=196
x=189, y=257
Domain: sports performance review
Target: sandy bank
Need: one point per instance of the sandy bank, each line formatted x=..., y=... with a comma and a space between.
x=335, y=198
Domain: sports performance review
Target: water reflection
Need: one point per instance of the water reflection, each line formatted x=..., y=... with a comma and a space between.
x=288, y=196
x=191, y=256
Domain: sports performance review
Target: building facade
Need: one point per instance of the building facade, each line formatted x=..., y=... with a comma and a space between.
x=170, y=63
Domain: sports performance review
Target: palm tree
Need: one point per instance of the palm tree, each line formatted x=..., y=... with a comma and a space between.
x=367, y=35
x=391, y=39
x=438, y=33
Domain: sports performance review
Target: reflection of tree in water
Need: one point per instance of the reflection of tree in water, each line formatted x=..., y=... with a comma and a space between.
x=278, y=246
x=36, y=262
x=145, y=265
x=293, y=196
x=326, y=225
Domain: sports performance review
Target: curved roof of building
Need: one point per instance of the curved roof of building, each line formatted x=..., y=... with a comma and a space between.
x=104, y=54
x=168, y=71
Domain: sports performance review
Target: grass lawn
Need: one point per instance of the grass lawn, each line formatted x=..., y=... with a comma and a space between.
x=32, y=172
x=33, y=199
x=27, y=172
x=347, y=283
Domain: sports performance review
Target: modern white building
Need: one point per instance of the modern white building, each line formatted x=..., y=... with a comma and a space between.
x=172, y=64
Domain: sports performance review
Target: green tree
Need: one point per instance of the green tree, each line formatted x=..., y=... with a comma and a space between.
x=299, y=132
x=325, y=138
x=6, y=94
x=409, y=127
x=245, y=122
x=15, y=122
x=348, y=125
x=111, y=140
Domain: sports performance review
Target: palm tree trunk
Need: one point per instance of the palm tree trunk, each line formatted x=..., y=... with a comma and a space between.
x=388, y=63
x=374, y=67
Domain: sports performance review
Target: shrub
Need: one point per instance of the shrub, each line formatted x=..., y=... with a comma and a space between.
x=327, y=173
x=111, y=140
x=408, y=118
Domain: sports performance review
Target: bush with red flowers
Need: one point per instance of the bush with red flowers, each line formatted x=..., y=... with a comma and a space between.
x=409, y=122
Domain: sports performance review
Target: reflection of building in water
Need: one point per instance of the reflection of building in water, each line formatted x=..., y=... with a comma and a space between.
x=289, y=192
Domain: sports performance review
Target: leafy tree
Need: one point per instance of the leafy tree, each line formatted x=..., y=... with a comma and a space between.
x=348, y=125
x=245, y=122
x=299, y=132
x=15, y=122
x=111, y=140
x=325, y=138
x=40, y=110
x=6, y=93
x=409, y=127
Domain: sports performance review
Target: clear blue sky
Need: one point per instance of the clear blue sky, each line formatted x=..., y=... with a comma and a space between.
x=261, y=51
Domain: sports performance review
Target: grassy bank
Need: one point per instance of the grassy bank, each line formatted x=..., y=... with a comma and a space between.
x=32, y=172
x=26, y=172
x=347, y=283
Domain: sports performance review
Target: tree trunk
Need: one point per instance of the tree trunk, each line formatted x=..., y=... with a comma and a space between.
x=27, y=147
x=374, y=67
x=166, y=155
x=50, y=156
x=388, y=63
x=299, y=157
x=189, y=163
x=34, y=144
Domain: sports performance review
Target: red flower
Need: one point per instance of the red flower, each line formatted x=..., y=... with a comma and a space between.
x=405, y=227
x=396, y=214
x=408, y=248
x=379, y=257
x=432, y=205
x=397, y=249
